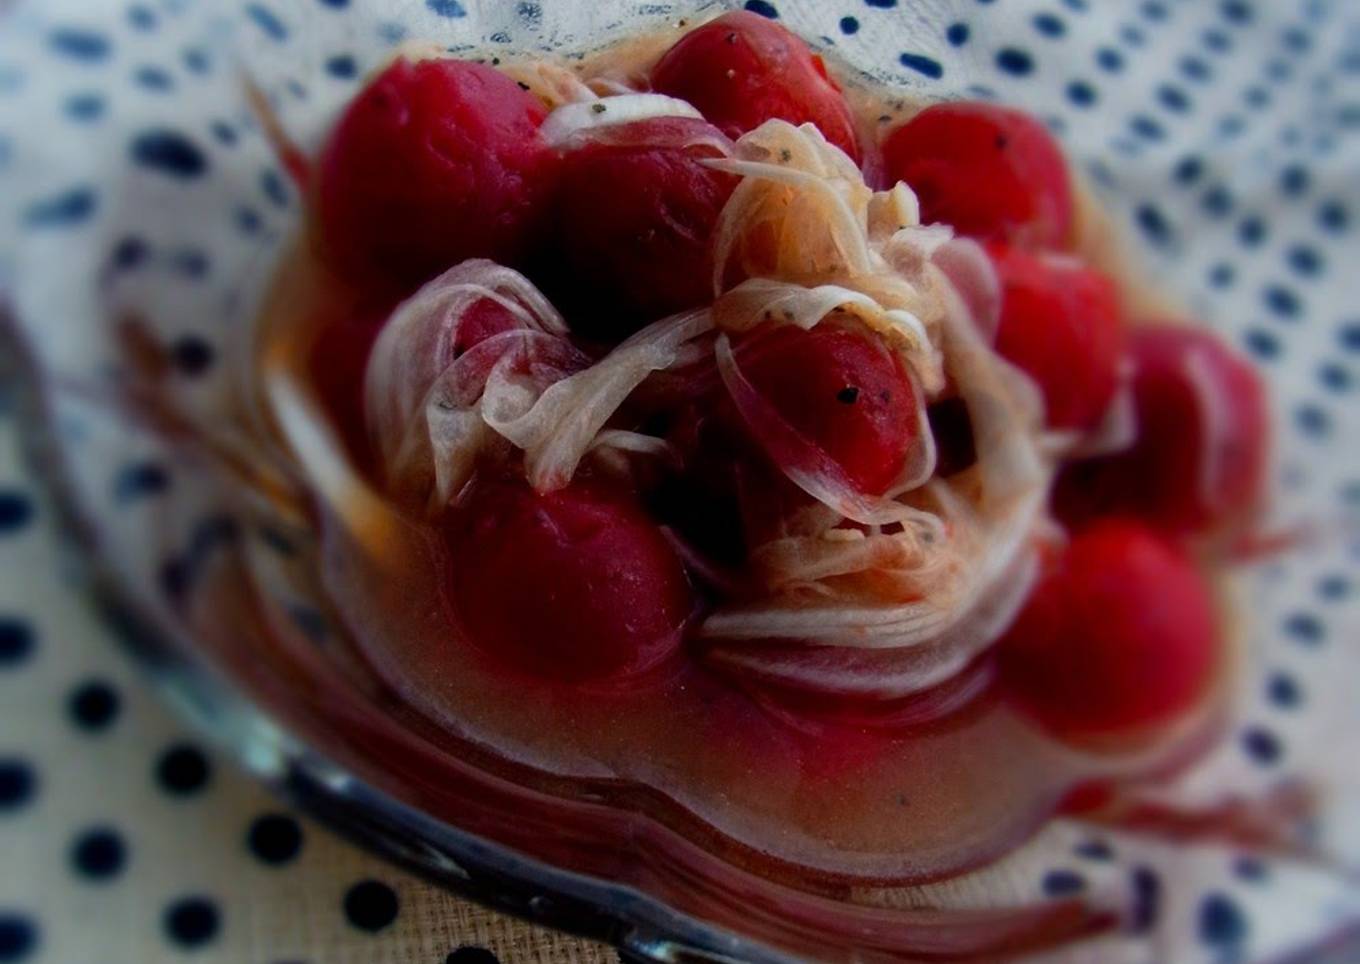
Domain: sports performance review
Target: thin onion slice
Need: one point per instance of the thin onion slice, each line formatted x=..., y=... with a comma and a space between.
x=571, y=120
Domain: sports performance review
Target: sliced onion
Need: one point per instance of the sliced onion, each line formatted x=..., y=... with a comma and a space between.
x=549, y=82
x=556, y=431
x=974, y=277
x=572, y=119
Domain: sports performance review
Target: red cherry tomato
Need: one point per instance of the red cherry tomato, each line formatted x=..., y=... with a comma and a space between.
x=576, y=584
x=742, y=69
x=1199, y=458
x=843, y=391
x=635, y=221
x=991, y=172
x=482, y=320
x=1060, y=322
x=1119, y=636
x=435, y=162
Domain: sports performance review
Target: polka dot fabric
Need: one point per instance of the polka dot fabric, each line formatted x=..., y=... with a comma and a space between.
x=1224, y=135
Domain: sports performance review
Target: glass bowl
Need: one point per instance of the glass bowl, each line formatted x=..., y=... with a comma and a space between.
x=144, y=210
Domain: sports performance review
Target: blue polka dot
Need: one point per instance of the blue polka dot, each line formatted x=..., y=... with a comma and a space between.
x=335, y=4
x=1109, y=59
x=1147, y=128
x=1304, y=627
x=1217, y=201
x=1081, y=93
x=18, y=784
x=1296, y=39
x=1304, y=260
x=182, y=770
x=342, y=66
x=1132, y=36
x=1256, y=97
x=141, y=18
x=139, y=480
x=17, y=641
x=18, y=936
x=1188, y=170
x=1332, y=216
x=1153, y=10
x=371, y=905
x=1294, y=180
x=1094, y=850
x=98, y=854
x=1050, y=25
x=927, y=66
x=1173, y=98
x=1222, y=275
x=84, y=107
x=274, y=187
x=1251, y=231
x=1147, y=899
x=169, y=152
x=881, y=4
x=957, y=34
x=1279, y=70
x=1076, y=6
x=1230, y=126
x=71, y=207
x=1217, y=41
x=192, y=921
x=248, y=220
x=1221, y=921
x=755, y=6
x=129, y=253
x=1153, y=222
x=1282, y=301
x=1312, y=420
x=1014, y=61
x=1251, y=869
x=1283, y=691
x=395, y=32
x=191, y=355
x=196, y=60
x=1195, y=69
x=1332, y=588
x=153, y=79
x=267, y=21
x=190, y=262
x=1262, y=746
x=93, y=706
x=471, y=954
x=224, y=133
x=79, y=44
x=1262, y=344
x=15, y=511
x=1236, y=11
x=274, y=838
x=1063, y=883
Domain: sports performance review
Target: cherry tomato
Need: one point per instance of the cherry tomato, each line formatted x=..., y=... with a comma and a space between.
x=435, y=162
x=842, y=391
x=991, y=172
x=1199, y=459
x=635, y=223
x=742, y=69
x=1119, y=636
x=1060, y=322
x=577, y=584
x=483, y=319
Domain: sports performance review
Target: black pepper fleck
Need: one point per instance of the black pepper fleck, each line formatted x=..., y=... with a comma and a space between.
x=847, y=395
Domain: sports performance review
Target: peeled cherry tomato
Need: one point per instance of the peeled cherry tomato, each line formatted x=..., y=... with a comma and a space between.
x=576, y=584
x=1199, y=458
x=991, y=172
x=1120, y=635
x=741, y=70
x=843, y=391
x=435, y=162
x=483, y=319
x=635, y=222
x=1060, y=322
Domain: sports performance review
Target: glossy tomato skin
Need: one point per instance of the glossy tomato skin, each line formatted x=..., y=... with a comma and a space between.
x=1199, y=458
x=635, y=221
x=573, y=585
x=436, y=161
x=1061, y=323
x=992, y=172
x=842, y=390
x=1119, y=636
x=742, y=69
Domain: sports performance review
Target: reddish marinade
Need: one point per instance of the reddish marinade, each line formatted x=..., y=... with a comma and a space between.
x=693, y=419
